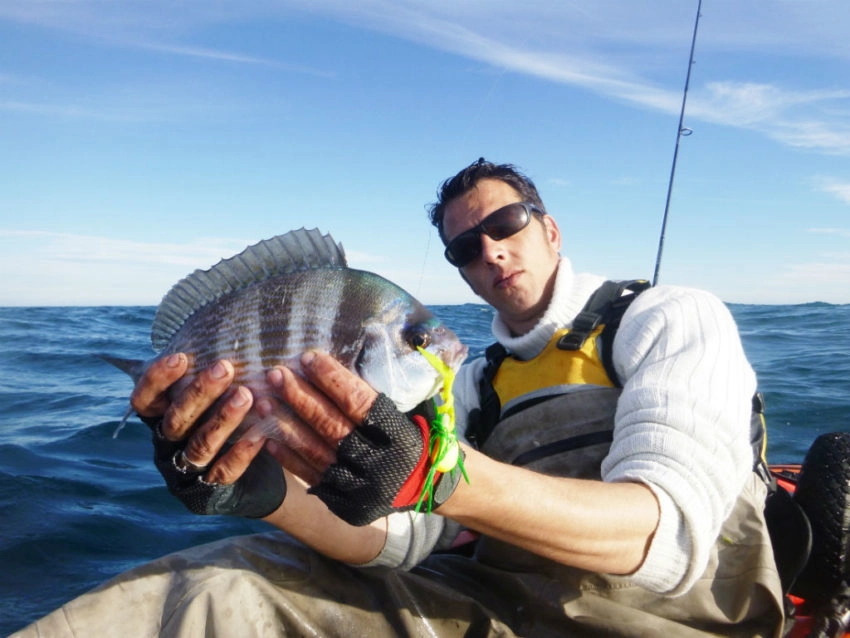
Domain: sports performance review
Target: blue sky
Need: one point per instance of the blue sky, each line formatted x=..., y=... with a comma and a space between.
x=142, y=140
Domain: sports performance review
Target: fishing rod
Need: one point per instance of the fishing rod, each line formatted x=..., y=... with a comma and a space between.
x=682, y=132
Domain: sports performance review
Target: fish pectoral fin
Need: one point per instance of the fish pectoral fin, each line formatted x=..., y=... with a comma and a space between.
x=123, y=421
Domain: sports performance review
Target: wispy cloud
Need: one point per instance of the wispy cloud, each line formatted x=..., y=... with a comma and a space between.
x=493, y=40
x=164, y=27
x=825, y=279
x=611, y=48
x=145, y=100
x=126, y=111
x=227, y=56
x=814, y=119
x=559, y=182
x=70, y=269
x=826, y=275
x=838, y=188
x=166, y=111
x=67, y=247
x=840, y=232
x=804, y=118
x=97, y=19
x=73, y=269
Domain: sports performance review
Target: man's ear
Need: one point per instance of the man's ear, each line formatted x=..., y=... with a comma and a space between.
x=553, y=233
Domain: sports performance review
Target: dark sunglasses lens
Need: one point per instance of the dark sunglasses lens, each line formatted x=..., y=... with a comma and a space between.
x=463, y=249
x=499, y=225
x=506, y=221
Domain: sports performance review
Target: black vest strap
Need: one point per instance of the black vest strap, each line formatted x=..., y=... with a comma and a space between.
x=606, y=305
x=483, y=420
x=616, y=309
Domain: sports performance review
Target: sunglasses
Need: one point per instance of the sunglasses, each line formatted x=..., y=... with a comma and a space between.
x=498, y=225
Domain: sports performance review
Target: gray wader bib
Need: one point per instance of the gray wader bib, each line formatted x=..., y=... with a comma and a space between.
x=739, y=594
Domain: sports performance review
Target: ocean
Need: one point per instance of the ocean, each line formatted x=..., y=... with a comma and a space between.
x=78, y=506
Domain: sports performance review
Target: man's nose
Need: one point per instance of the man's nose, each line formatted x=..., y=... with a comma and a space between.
x=491, y=250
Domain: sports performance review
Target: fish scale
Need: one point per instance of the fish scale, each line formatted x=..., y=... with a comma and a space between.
x=271, y=323
x=292, y=293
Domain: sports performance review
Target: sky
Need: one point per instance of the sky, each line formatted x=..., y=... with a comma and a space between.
x=144, y=139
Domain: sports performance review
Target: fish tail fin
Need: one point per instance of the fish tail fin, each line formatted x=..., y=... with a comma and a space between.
x=133, y=367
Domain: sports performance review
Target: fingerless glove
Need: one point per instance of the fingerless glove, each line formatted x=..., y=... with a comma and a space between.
x=255, y=494
x=383, y=465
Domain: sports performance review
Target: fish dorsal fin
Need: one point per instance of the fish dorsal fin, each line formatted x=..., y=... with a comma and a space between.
x=294, y=251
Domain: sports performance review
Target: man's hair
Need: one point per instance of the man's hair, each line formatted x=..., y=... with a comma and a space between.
x=466, y=180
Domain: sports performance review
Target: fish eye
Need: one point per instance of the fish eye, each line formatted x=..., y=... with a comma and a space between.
x=419, y=338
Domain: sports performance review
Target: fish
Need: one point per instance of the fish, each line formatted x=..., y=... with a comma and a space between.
x=292, y=293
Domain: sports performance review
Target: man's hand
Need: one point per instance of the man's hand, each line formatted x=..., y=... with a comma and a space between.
x=382, y=459
x=190, y=433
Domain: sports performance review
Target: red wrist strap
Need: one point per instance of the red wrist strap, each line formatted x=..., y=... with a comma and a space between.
x=411, y=490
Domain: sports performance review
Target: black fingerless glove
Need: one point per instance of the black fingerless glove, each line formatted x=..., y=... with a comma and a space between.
x=383, y=465
x=255, y=494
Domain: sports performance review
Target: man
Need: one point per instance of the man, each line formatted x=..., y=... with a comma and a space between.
x=654, y=525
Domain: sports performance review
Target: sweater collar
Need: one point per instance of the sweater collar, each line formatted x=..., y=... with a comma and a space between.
x=570, y=294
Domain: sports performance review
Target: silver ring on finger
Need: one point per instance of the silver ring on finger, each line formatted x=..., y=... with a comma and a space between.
x=185, y=466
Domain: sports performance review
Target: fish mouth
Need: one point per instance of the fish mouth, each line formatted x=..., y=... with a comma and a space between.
x=455, y=355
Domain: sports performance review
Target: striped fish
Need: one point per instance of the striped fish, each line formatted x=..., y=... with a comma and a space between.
x=292, y=293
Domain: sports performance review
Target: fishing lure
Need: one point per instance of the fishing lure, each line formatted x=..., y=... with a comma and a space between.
x=444, y=449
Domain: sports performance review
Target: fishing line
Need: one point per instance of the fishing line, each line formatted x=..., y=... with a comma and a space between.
x=463, y=140
x=682, y=132
x=418, y=292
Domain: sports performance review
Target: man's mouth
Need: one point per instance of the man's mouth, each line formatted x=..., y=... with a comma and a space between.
x=506, y=280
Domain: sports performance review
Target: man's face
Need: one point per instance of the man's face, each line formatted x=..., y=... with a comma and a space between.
x=517, y=274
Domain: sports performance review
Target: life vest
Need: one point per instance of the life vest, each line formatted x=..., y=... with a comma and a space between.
x=554, y=414
x=574, y=357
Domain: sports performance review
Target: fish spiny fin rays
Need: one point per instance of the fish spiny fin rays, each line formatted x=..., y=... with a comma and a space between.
x=296, y=251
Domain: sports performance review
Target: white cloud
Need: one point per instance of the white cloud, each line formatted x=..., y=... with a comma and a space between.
x=225, y=56
x=611, y=47
x=62, y=269
x=67, y=269
x=839, y=189
x=55, y=247
x=823, y=281
x=828, y=137
x=804, y=119
x=841, y=232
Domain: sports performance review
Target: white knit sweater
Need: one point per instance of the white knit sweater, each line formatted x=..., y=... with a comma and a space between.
x=681, y=425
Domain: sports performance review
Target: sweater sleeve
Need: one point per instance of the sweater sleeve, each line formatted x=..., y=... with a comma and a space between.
x=411, y=537
x=682, y=425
